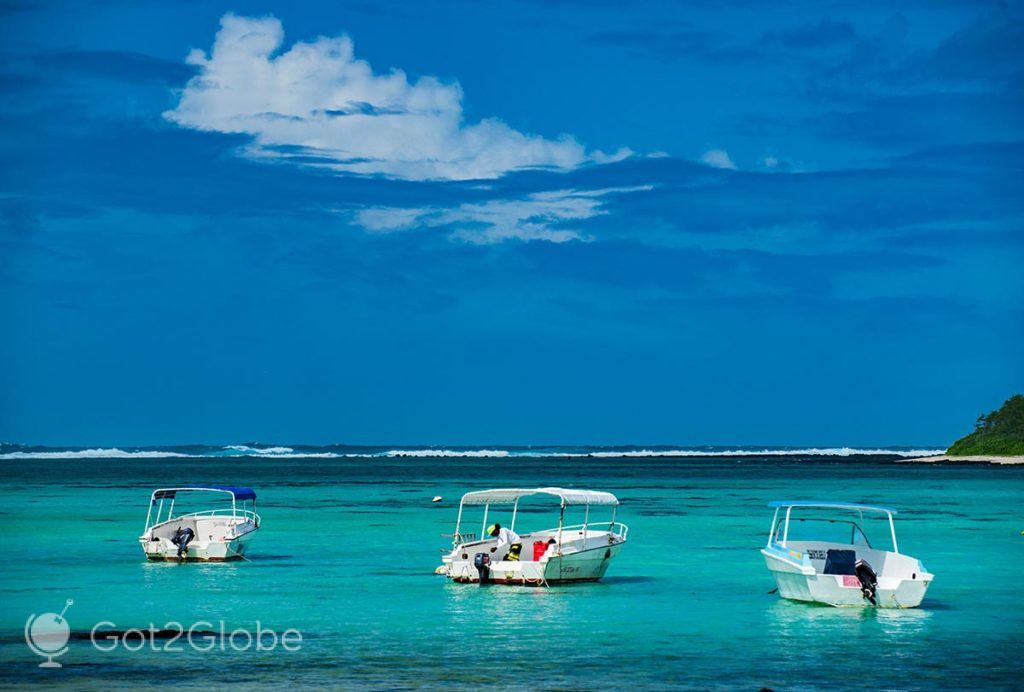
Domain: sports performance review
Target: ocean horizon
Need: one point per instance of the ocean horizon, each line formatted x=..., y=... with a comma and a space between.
x=343, y=451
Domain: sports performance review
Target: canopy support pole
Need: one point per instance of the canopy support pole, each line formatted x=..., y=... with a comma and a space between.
x=152, y=501
x=771, y=533
x=785, y=531
x=483, y=527
x=561, y=518
x=892, y=530
x=586, y=518
x=515, y=510
x=458, y=525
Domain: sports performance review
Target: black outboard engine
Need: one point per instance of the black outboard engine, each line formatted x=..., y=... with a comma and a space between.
x=182, y=537
x=482, y=562
x=868, y=580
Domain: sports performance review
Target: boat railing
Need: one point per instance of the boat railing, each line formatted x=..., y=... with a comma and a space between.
x=616, y=528
x=460, y=538
x=224, y=511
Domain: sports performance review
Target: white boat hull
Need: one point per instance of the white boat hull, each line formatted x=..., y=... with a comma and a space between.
x=578, y=562
x=228, y=543
x=803, y=582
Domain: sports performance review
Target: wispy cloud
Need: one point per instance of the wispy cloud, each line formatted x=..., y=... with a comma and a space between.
x=718, y=158
x=544, y=216
x=123, y=66
x=317, y=104
x=986, y=52
x=809, y=36
x=800, y=42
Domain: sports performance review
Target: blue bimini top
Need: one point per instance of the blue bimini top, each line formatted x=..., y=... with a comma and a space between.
x=831, y=505
x=237, y=491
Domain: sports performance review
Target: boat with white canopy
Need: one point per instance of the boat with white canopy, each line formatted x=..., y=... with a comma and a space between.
x=210, y=534
x=819, y=552
x=562, y=554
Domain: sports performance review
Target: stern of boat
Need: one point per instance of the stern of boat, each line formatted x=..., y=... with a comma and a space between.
x=218, y=539
x=902, y=582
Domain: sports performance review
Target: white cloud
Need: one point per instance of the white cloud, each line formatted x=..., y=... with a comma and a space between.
x=718, y=158
x=539, y=216
x=782, y=165
x=316, y=103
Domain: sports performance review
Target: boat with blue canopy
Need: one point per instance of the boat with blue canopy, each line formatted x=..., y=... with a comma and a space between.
x=202, y=533
x=820, y=552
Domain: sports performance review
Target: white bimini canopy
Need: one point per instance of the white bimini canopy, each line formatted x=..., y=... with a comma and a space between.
x=568, y=496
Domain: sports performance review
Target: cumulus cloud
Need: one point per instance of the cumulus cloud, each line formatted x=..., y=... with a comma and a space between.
x=317, y=104
x=718, y=158
x=539, y=216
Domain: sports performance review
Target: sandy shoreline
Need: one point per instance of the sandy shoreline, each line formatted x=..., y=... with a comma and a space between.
x=981, y=459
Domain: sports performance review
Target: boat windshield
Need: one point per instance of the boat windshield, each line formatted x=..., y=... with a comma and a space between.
x=820, y=529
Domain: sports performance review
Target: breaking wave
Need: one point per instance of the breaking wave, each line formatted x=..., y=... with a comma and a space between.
x=273, y=452
x=809, y=451
x=259, y=450
x=455, y=453
x=112, y=453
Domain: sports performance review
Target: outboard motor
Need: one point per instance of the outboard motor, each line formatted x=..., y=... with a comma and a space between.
x=182, y=537
x=482, y=562
x=868, y=580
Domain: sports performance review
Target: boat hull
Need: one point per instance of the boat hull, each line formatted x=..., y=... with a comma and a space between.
x=579, y=567
x=802, y=583
x=198, y=551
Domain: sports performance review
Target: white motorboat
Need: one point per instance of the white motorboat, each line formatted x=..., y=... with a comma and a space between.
x=836, y=571
x=563, y=554
x=207, y=535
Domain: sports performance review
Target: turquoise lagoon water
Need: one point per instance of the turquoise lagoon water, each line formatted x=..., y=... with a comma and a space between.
x=349, y=544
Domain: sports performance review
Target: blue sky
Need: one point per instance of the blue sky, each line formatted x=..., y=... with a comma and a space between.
x=520, y=222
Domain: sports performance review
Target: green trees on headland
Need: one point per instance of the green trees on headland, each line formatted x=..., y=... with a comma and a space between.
x=999, y=432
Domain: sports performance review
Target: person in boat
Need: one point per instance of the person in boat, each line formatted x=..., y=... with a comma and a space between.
x=506, y=537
